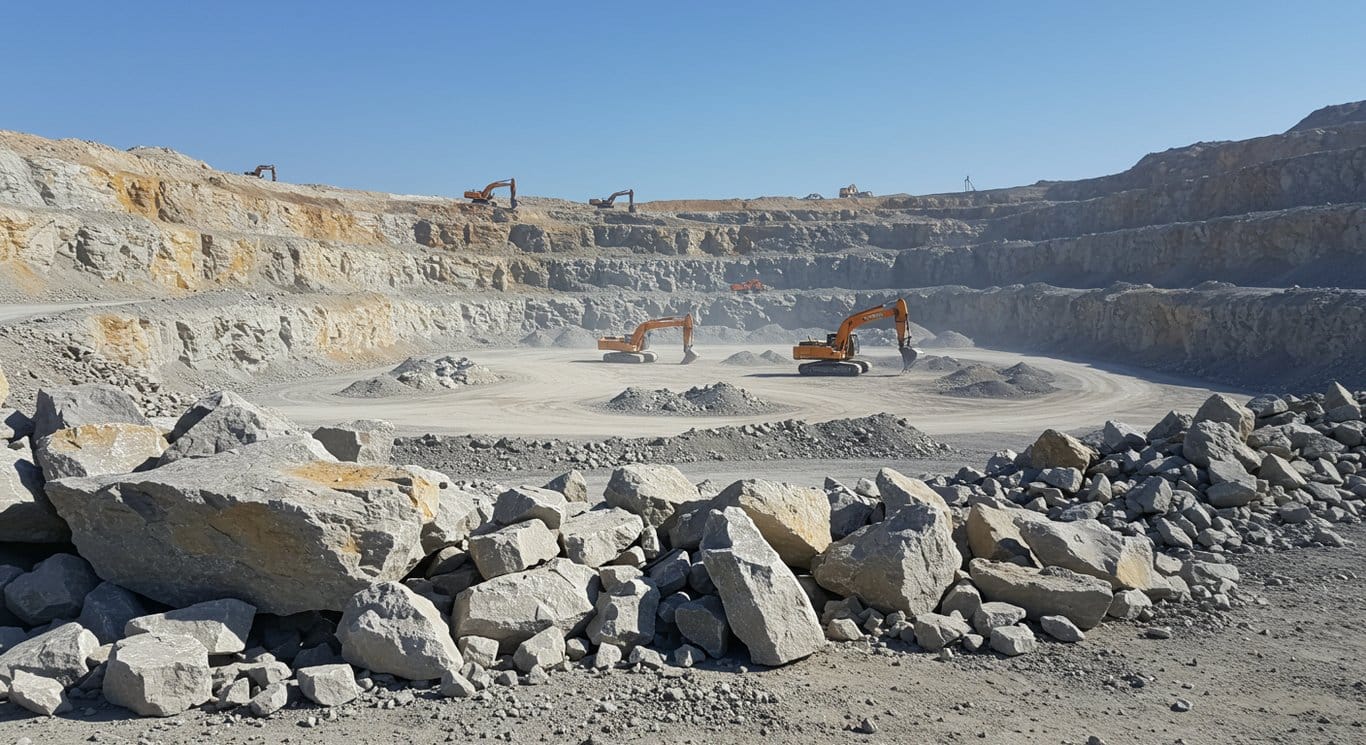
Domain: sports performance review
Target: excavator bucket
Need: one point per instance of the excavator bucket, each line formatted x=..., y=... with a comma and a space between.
x=689, y=356
x=908, y=357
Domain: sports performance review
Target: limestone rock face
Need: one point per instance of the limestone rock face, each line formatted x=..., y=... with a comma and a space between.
x=158, y=675
x=765, y=605
x=266, y=523
x=1052, y=591
x=388, y=628
x=26, y=515
x=98, y=450
x=994, y=533
x=904, y=563
x=652, y=491
x=795, y=520
x=512, y=608
x=223, y=421
x=91, y=403
x=1088, y=547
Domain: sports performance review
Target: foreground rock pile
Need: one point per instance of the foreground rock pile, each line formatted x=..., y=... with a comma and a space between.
x=235, y=564
x=876, y=436
x=717, y=399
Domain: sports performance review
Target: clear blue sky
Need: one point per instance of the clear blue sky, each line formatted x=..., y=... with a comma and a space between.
x=697, y=99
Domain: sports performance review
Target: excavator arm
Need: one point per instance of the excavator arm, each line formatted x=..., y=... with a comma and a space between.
x=631, y=348
x=485, y=195
x=835, y=356
x=606, y=204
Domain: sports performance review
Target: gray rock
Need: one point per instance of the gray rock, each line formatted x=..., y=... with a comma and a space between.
x=515, y=548
x=843, y=630
x=388, y=628
x=455, y=685
x=687, y=656
x=795, y=520
x=994, y=534
x=849, y=511
x=703, y=622
x=220, y=625
x=655, y=492
x=1069, y=480
x=223, y=421
x=571, y=484
x=1012, y=641
x=92, y=403
x=902, y=563
x=616, y=574
x=1213, y=440
x=1054, y=449
x=646, y=658
x=26, y=515
x=1337, y=396
x=670, y=573
x=459, y=513
x=267, y=523
x=625, y=615
x=480, y=650
x=962, y=599
x=1118, y=437
x=512, y=608
x=98, y=450
x=1089, y=547
x=545, y=649
x=1128, y=604
x=1231, y=485
x=530, y=503
x=234, y=694
x=55, y=589
x=764, y=604
x=39, y=695
x=1278, y=472
x=1052, y=591
x=1062, y=629
x=271, y=699
x=108, y=609
x=608, y=656
x=995, y=613
x=1170, y=426
x=934, y=632
x=1221, y=408
x=596, y=537
x=898, y=490
x=157, y=676
x=62, y=654
x=358, y=441
x=1152, y=497
x=328, y=685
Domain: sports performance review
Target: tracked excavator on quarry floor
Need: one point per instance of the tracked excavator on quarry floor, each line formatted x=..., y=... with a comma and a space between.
x=837, y=355
x=632, y=348
x=485, y=195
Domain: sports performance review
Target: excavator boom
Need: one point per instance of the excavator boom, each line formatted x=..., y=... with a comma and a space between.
x=632, y=348
x=485, y=195
x=836, y=355
x=606, y=204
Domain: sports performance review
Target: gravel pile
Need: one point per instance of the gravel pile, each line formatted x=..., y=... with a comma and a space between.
x=877, y=436
x=717, y=399
x=747, y=358
x=983, y=381
x=422, y=374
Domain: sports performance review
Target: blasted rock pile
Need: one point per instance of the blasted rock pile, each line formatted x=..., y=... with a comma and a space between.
x=717, y=399
x=422, y=374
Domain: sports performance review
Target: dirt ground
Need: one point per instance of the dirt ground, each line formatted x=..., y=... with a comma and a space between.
x=1291, y=670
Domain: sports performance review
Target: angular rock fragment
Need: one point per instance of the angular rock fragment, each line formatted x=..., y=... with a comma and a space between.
x=513, y=549
x=655, y=492
x=98, y=450
x=1089, y=547
x=795, y=520
x=56, y=588
x=1054, y=449
x=1221, y=408
x=596, y=537
x=388, y=628
x=571, y=484
x=220, y=625
x=62, y=654
x=358, y=441
x=26, y=515
x=157, y=676
x=223, y=421
x=703, y=622
x=625, y=615
x=530, y=503
x=63, y=407
x=902, y=563
x=108, y=609
x=544, y=650
x=1012, y=641
x=899, y=490
x=514, y=607
x=39, y=695
x=1052, y=591
x=328, y=685
x=934, y=632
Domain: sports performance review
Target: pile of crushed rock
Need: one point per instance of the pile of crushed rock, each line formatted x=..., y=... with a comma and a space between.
x=747, y=358
x=237, y=565
x=422, y=374
x=717, y=399
x=974, y=380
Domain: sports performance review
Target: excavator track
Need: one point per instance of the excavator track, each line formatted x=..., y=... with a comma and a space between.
x=832, y=368
x=630, y=357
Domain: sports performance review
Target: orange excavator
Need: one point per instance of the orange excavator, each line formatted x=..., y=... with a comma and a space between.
x=837, y=354
x=606, y=204
x=753, y=285
x=485, y=196
x=260, y=172
x=633, y=348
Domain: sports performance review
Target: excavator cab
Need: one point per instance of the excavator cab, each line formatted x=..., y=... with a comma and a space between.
x=632, y=348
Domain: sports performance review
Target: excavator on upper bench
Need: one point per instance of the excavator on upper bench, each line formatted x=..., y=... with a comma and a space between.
x=633, y=348
x=606, y=204
x=486, y=195
x=260, y=172
x=837, y=355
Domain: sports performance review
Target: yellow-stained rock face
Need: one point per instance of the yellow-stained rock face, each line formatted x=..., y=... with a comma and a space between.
x=130, y=341
x=795, y=520
x=98, y=450
x=354, y=478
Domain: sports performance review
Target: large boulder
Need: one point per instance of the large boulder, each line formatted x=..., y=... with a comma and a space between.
x=108, y=609
x=571, y=484
x=64, y=407
x=994, y=533
x=98, y=450
x=26, y=515
x=902, y=563
x=267, y=523
x=703, y=622
x=358, y=441
x=654, y=492
x=39, y=695
x=899, y=490
x=388, y=628
x=513, y=549
x=1089, y=547
x=765, y=605
x=596, y=537
x=223, y=421
x=1212, y=440
x=62, y=654
x=530, y=503
x=795, y=520
x=1221, y=408
x=56, y=588
x=1056, y=449
x=158, y=675
x=1051, y=591
x=328, y=685
x=512, y=608
x=458, y=513
x=625, y=615
x=221, y=626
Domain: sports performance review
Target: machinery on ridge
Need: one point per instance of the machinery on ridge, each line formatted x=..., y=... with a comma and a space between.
x=837, y=355
x=485, y=196
x=850, y=191
x=632, y=348
x=606, y=204
x=753, y=285
x=260, y=172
